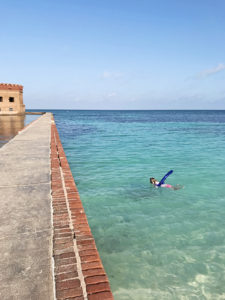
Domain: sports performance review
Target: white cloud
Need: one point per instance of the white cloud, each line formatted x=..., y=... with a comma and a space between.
x=113, y=75
x=111, y=95
x=212, y=71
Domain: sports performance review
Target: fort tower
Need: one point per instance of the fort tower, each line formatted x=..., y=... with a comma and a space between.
x=11, y=99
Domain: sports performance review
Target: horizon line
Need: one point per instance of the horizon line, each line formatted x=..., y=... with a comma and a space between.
x=101, y=109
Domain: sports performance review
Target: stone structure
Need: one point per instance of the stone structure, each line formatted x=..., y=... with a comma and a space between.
x=47, y=250
x=11, y=99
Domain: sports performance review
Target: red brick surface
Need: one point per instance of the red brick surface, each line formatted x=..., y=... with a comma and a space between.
x=93, y=272
x=71, y=230
x=96, y=279
x=64, y=276
x=101, y=296
x=68, y=293
x=97, y=287
x=68, y=284
x=9, y=86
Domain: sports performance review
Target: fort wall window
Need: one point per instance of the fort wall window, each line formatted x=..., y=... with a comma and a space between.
x=11, y=100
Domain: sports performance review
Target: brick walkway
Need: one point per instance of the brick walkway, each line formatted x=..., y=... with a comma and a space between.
x=79, y=273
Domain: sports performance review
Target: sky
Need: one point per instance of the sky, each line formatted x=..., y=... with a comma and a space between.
x=115, y=54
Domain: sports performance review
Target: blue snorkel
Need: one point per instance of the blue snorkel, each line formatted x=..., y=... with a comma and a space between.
x=164, y=178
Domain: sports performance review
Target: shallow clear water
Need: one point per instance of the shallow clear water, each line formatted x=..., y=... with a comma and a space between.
x=154, y=243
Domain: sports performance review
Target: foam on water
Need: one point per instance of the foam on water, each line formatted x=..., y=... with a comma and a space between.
x=154, y=243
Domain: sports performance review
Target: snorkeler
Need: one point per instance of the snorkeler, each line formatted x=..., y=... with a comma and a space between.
x=162, y=182
x=156, y=184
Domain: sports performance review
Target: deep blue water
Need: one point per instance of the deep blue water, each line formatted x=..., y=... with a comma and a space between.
x=154, y=243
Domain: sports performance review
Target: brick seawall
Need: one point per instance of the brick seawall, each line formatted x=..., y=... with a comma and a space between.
x=47, y=250
x=79, y=273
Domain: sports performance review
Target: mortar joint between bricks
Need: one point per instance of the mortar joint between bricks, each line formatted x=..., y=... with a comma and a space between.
x=79, y=268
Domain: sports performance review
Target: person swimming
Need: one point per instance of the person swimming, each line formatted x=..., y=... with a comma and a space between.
x=165, y=185
x=156, y=183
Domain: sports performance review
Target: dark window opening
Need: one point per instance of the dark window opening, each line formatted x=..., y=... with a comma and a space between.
x=11, y=109
x=1, y=99
x=11, y=99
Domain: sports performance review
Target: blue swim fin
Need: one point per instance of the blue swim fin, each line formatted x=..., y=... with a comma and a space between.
x=164, y=178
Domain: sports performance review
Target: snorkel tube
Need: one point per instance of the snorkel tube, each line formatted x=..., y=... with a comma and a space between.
x=165, y=177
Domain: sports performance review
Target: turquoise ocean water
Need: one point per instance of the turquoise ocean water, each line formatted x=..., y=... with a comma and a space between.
x=154, y=243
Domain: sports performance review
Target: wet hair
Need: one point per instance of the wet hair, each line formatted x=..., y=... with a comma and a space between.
x=151, y=179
